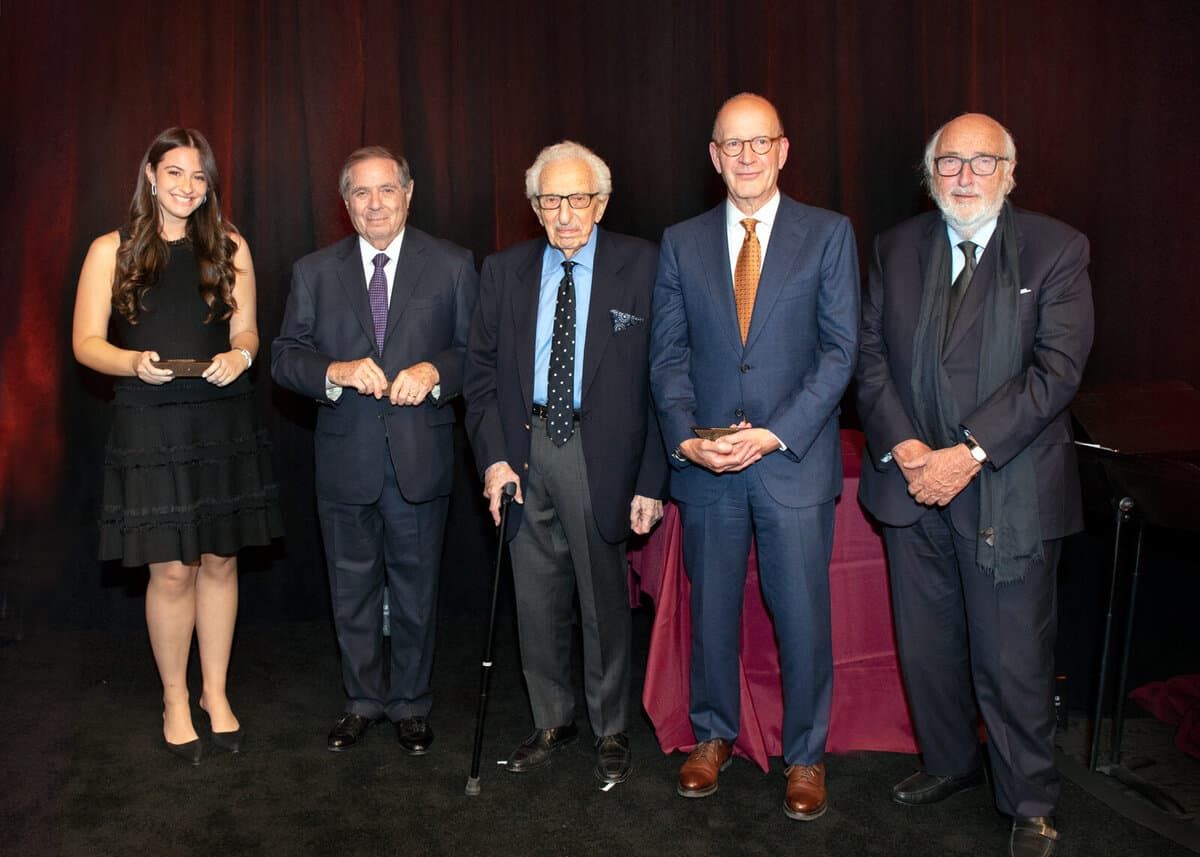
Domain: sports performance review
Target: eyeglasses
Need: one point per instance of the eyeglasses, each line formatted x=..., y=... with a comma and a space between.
x=758, y=145
x=981, y=165
x=552, y=201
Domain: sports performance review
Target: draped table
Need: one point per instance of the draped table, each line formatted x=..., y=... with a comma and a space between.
x=869, y=709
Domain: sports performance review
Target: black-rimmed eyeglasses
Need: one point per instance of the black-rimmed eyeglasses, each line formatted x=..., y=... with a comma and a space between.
x=948, y=166
x=552, y=201
x=758, y=145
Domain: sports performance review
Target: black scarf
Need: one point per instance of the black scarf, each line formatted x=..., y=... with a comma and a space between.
x=1009, y=540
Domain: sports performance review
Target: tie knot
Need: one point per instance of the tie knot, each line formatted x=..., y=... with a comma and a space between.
x=748, y=224
x=567, y=266
x=968, y=250
x=380, y=260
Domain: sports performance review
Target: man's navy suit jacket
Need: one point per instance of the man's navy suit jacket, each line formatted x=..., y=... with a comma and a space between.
x=328, y=318
x=622, y=447
x=1028, y=411
x=797, y=360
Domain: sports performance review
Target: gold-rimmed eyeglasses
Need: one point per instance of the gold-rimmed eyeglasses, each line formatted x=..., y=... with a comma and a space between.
x=758, y=145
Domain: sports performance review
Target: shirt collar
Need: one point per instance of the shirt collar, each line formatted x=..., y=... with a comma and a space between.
x=981, y=237
x=369, y=252
x=585, y=256
x=765, y=214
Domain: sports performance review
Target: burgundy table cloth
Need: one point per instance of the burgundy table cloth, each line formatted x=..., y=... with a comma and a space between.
x=869, y=709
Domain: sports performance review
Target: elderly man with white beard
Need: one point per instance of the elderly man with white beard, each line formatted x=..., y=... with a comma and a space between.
x=975, y=330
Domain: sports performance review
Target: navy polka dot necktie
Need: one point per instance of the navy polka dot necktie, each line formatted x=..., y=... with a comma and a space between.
x=560, y=381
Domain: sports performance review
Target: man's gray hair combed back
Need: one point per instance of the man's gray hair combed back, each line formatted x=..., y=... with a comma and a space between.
x=366, y=153
x=565, y=151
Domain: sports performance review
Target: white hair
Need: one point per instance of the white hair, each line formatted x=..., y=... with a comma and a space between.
x=1010, y=152
x=567, y=150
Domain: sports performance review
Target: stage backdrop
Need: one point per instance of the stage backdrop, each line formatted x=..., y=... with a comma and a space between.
x=1100, y=96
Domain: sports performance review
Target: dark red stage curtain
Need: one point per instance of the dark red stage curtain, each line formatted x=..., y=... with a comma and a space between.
x=1100, y=95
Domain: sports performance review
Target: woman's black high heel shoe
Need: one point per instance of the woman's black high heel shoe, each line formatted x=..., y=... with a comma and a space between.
x=189, y=751
x=230, y=742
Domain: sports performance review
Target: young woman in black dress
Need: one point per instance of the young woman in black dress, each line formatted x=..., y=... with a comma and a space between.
x=187, y=481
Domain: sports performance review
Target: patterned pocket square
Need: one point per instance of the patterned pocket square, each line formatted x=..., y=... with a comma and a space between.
x=624, y=320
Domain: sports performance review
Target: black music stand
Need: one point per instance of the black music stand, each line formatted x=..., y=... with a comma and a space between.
x=1146, y=439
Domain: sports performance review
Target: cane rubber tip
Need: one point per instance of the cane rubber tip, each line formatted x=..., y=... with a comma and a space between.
x=472, y=786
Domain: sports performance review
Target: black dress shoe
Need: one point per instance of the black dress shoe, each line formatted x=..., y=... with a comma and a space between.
x=922, y=788
x=414, y=735
x=536, y=749
x=613, y=762
x=1032, y=837
x=189, y=751
x=348, y=731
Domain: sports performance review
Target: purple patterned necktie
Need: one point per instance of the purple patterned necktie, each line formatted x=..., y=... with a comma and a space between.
x=377, y=292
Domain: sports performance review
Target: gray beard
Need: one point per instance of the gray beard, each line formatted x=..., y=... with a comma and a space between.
x=967, y=228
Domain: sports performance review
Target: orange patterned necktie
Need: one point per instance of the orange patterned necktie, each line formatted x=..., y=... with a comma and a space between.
x=745, y=276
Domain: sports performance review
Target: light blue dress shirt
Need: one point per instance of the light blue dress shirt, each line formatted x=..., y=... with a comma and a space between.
x=552, y=275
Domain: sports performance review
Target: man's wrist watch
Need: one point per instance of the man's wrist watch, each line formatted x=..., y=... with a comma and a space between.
x=677, y=454
x=977, y=451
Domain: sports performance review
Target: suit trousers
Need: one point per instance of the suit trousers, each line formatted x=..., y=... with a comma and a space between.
x=558, y=553
x=398, y=543
x=794, y=546
x=956, y=630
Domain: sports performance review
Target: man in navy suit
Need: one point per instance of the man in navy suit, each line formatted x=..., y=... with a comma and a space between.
x=756, y=328
x=975, y=331
x=558, y=402
x=375, y=331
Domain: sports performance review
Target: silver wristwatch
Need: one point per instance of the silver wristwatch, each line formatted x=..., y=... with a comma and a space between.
x=974, y=448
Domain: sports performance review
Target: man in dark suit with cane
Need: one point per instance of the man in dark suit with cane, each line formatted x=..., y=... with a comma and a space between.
x=558, y=402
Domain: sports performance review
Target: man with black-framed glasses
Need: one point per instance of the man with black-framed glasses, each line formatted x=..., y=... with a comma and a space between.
x=558, y=402
x=976, y=327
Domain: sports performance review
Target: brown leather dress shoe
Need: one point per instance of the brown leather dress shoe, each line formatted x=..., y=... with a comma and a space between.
x=698, y=776
x=1033, y=837
x=805, y=798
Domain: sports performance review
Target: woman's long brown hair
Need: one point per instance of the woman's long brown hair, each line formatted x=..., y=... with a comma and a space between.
x=142, y=255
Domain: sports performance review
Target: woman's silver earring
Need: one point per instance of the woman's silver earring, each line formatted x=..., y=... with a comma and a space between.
x=204, y=199
x=154, y=190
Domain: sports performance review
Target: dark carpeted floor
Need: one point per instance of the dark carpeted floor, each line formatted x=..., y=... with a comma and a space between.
x=84, y=774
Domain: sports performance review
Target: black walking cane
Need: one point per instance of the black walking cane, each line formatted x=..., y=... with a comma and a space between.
x=506, y=498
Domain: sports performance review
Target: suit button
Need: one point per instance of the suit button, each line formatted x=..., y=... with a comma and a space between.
x=527, y=427
x=745, y=368
x=739, y=413
x=525, y=465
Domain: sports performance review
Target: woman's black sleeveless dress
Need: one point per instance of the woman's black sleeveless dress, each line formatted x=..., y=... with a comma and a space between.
x=186, y=469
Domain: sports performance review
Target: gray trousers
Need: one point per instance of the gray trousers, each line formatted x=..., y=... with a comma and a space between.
x=558, y=553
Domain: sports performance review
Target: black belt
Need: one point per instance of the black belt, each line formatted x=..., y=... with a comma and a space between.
x=539, y=411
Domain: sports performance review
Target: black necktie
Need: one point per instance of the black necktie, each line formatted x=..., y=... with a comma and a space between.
x=959, y=287
x=560, y=380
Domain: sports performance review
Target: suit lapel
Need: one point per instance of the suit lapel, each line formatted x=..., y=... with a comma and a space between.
x=713, y=252
x=408, y=273
x=524, y=298
x=606, y=294
x=350, y=275
x=787, y=240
